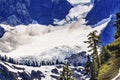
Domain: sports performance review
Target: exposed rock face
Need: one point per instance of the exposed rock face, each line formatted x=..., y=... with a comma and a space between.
x=5, y=74
x=2, y=31
x=14, y=12
x=55, y=71
x=103, y=9
x=78, y=59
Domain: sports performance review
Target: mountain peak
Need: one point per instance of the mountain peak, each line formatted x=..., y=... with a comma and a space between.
x=25, y=11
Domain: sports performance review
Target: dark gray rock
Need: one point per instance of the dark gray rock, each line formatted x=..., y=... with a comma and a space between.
x=15, y=12
x=78, y=59
x=103, y=9
x=37, y=74
x=5, y=74
x=55, y=71
x=2, y=31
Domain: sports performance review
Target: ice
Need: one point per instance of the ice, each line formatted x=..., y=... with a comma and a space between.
x=41, y=42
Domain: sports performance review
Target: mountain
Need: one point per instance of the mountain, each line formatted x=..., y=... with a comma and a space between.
x=103, y=9
x=15, y=12
x=32, y=51
x=27, y=11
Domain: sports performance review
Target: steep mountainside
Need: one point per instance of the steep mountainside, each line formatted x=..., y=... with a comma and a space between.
x=103, y=9
x=32, y=51
x=111, y=67
x=14, y=12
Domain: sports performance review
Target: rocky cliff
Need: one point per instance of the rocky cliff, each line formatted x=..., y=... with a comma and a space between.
x=15, y=12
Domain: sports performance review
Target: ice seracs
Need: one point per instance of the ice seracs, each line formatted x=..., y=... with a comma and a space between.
x=43, y=41
x=28, y=41
x=38, y=44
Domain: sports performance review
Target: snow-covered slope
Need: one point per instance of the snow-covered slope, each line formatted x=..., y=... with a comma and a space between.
x=45, y=42
x=79, y=11
x=20, y=72
x=49, y=45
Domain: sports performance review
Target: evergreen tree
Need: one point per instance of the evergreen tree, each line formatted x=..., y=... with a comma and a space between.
x=93, y=41
x=66, y=73
x=117, y=24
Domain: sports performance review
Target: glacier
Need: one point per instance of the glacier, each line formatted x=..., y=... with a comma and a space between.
x=38, y=43
x=41, y=50
x=39, y=40
x=47, y=43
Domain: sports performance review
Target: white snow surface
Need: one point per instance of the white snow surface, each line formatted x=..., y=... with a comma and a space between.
x=49, y=42
x=36, y=40
x=39, y=42
x=79, y=11
x=46, y=70
x=78, y=1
